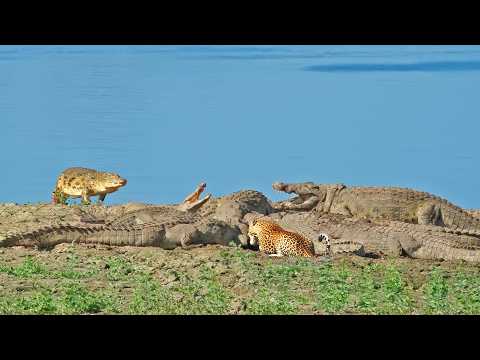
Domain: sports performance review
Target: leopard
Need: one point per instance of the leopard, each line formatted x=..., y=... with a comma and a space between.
x=276, y=241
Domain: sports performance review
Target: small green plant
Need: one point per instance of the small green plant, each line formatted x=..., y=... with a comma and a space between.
x=333, y=288
x=188, y=295
x=77, y=299
x=466, y=292
x=396, y=299
x=367, y=289
x=267, y=302
x=59, y=197
x=436, y=293
x=274, y=292
x=39, y=303
x=148, y=297
x=69, y=270
x=118, y=268
x=200, y=295
x=29, y=267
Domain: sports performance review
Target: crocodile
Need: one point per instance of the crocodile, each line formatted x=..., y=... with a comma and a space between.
x=383, y=237
x=225, y=219
x=79, y=182
x=379, y=203
x=218, y=221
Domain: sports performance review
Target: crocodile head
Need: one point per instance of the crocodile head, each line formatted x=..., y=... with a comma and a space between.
x=107, y=182
x=308, y=195
x=303, y=190
x=279, y=186
x=192, y=202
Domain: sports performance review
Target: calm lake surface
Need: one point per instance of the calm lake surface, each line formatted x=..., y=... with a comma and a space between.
x=240, y=117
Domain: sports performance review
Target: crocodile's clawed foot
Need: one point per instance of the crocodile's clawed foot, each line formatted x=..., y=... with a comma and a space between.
x=193, y=202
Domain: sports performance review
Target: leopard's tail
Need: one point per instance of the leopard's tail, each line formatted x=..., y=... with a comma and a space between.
x=322, y=237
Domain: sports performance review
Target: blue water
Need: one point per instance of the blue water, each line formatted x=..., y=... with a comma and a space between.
x=240, y=117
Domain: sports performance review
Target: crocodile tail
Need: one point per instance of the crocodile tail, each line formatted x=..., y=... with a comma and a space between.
x=24, y=239
x=43, y=237
x=459, y=231
x=148, y=234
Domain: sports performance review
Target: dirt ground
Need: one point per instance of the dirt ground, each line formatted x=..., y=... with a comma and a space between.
x=213, y=279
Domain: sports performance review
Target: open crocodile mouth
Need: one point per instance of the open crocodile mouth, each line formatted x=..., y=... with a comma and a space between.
x=193, y=200
x=196, y=194
x=119, y=184
x=279, y=186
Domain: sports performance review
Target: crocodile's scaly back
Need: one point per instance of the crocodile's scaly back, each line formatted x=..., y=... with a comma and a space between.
x=151, y=214
x=379, y=203
x=407, y=205
x=48, y=237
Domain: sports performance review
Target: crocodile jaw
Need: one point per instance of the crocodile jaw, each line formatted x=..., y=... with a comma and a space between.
x=110, y=189
x=279, y=186
x=187, y=206
x=193, y=202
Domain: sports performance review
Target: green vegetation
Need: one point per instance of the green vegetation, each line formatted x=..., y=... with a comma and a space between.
x=457, y=294
x=60, y=197
x=232, y=280
x=29, y=268
x=187, y=295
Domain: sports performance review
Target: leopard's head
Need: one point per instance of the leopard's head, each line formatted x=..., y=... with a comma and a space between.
x=260, y=228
